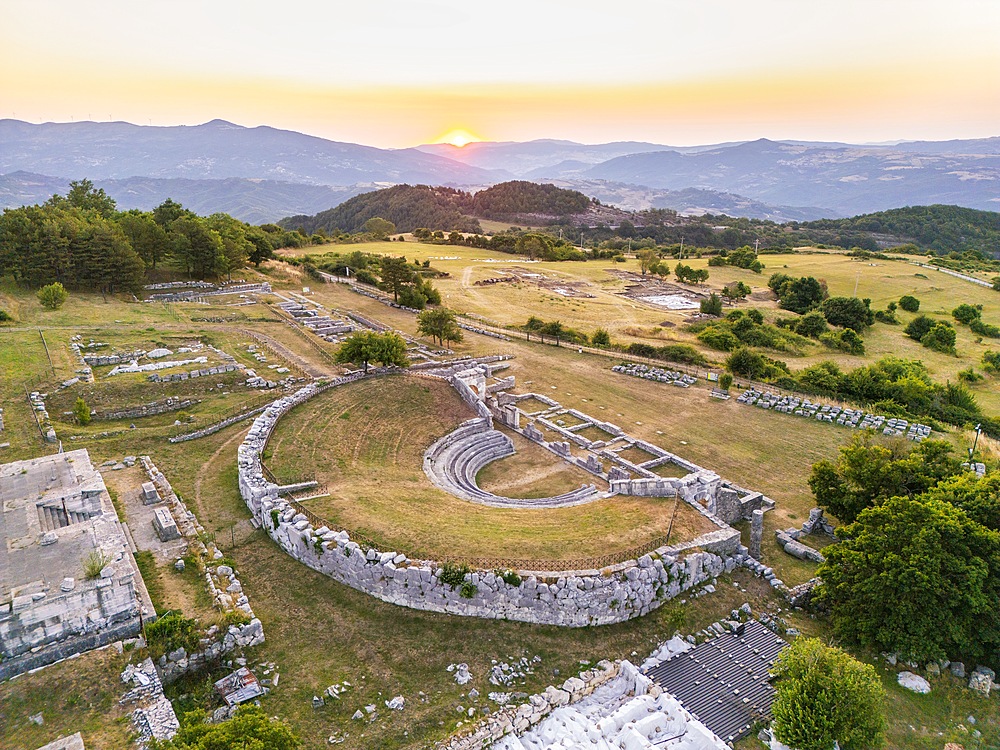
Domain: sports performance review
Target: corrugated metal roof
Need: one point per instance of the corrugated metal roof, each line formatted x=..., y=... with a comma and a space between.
x=725, y=681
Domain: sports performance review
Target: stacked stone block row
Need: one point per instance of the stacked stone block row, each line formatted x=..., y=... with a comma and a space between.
x=453, y=462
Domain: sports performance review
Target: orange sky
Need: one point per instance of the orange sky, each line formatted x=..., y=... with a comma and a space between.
x=662, y=72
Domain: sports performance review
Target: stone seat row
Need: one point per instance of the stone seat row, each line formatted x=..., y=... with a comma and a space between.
x=454, y=461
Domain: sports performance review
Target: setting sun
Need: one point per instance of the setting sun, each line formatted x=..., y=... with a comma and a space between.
x=459, y=138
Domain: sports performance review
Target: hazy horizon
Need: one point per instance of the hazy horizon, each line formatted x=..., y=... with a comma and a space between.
x=885, y=143
x=395, y=74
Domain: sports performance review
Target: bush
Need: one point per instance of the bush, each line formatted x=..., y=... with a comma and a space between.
x=754, y=365
x=846, y=341
x=980, y=328
x=824, y=697
x=847, y=312
x=170, y=632
x=886, y=316
x=969, y=375
x=52, y=296
x=712, y=305
x=5, y=316
x=919, y=327
x=991, y=362
x=468, y=590
x=725, y=381
x=966, y=313
x=811, y=324
x=941, y=338
x=719, y=338
x=510, y=577
x=453, y=575
x=600, y=338
x=909, y=303
x=81, y=412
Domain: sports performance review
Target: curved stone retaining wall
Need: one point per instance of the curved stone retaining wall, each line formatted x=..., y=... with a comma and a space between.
x=573, y=598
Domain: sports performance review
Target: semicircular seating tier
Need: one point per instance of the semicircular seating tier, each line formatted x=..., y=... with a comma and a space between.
x=453, y=462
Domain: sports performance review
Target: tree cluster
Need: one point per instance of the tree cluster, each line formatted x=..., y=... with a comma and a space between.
x=81, y=240
x=915, y=570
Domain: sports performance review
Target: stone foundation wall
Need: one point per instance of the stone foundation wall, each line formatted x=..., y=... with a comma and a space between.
x=575, y=598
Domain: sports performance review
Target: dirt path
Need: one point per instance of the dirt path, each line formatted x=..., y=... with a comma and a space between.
x=211, y=464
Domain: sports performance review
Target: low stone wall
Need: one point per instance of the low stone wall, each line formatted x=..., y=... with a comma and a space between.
x=147, y=410
x=213, y=428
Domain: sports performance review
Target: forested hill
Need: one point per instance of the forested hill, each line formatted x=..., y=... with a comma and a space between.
x=940, y=228
x=442, y=208
x=510, y=200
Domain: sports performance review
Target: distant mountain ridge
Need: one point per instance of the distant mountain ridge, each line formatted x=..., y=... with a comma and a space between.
x=214, y=150
x=252, y=201
x=264, y=173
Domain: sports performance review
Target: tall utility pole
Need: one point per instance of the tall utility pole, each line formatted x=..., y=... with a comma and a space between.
x=756, y=246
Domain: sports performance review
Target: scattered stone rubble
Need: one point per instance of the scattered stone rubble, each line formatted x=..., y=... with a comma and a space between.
x=672, y=377
x=153, y=716
x=223, y=585
x=854, y=418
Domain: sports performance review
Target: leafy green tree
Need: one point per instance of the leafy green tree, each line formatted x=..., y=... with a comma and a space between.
x=647, y=259
x=918, y=577
x=395, y=273
x=600, y=338
x=197, y=246
x=363, y=347
x=263, y=245
x=909, y=303
x=168, y=211
x=712, y=305
x=82, y=194
x=249, y=729
x=52, y=296
x=812, y=324
x=534, y=245
x=798, y=295
x=81, y=411
x=825, y=697
x=379, y=228
x=147, y=237
x=440, y=323
x=869, y=470
x=847, y=312
x=966, y=313
x=725, y=381
x=978, y=496
x=735, y=291
x=236, y=248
